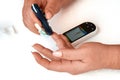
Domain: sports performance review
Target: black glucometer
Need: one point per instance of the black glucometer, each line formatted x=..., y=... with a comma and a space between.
x=39, y=14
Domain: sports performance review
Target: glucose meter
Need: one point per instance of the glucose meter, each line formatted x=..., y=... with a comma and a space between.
x=80, y=33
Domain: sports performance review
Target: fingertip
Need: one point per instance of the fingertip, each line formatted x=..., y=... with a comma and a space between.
x=34, y=54
x=48, y=15
x=32, y=28
x=37, y=57
x=34, y=45
x=54, y=34
x=37, y=46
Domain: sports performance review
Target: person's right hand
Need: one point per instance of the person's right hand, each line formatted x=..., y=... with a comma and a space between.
x=49, y=7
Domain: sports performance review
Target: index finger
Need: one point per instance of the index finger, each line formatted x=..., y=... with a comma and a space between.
x=45, y=51
x=55, y=65
x=59, y=41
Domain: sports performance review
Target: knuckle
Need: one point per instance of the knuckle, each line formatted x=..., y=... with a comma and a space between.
x=65, y=55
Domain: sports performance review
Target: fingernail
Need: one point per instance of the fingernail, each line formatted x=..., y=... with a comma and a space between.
x=37, y=27
x=48, y=15
x=57, y=54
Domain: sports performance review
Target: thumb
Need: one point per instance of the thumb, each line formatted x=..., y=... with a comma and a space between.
x=50, y=9
x=69, y=54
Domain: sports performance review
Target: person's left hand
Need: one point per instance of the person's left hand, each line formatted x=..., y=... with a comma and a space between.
x=89, y=56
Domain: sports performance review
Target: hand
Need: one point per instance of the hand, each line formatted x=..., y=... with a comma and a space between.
x=49, y=7
x=62, y=43
x=89, y=56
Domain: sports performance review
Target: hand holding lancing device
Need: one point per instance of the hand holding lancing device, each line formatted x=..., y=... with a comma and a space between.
x=49, y=7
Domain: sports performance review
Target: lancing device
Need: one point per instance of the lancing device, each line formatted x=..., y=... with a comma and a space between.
x=47, y=41
x=39, y=14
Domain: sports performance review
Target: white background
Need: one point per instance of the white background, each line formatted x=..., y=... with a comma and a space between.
x=16, y=60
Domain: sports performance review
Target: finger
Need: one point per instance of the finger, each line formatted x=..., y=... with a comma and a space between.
x=40, y=60
x=46, y=63
x=51, y=8
x=30, y=19
x=59, y=41
x=30, y=26
x=61, y=66
x=66, y=41
x=42, y=4
x=27, y=20
x=45, y=51
x=35, y=20
x=70, y=54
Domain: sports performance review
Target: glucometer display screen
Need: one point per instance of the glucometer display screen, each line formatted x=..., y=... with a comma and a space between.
x=75, y=33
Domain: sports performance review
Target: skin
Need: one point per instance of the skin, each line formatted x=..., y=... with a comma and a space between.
x=89, y=56
x=49, y=7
